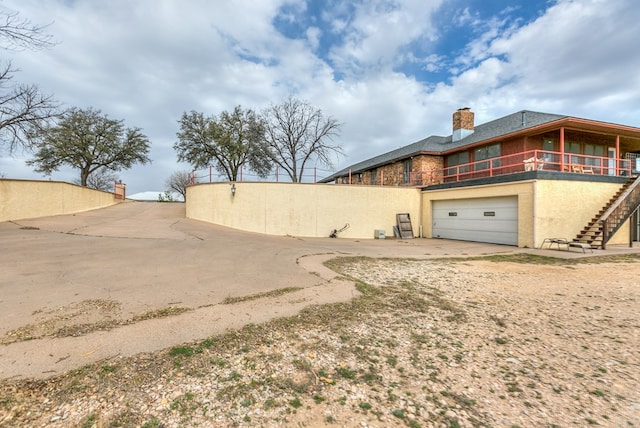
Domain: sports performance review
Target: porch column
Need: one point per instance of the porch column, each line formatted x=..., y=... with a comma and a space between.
x=618, y=172
x=561, y=149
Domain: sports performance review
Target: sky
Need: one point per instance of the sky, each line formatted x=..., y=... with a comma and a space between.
x=390, y=71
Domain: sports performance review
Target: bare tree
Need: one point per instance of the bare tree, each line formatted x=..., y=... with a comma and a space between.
x=297, y=134
x=102, y=179
x=19, y=33
x=178, y=183
x=23, y=108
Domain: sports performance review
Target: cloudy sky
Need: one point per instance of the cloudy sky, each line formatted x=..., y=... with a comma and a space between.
x=391, y=71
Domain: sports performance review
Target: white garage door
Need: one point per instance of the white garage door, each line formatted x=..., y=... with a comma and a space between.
x=493, y=220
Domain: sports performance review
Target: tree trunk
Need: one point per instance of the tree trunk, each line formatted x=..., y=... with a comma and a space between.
x=84, y=175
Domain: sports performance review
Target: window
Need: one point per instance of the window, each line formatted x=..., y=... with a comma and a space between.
x=574, y=148
x=406, y=171
x=373, y=176
x=593, y=150
x=548, y=145
x=456, y=159
x=487, y=152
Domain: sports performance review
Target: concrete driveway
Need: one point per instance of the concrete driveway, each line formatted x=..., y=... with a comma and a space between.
x=112, y=266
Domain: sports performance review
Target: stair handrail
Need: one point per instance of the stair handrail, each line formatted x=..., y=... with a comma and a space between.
x=622, y=197
x=613, y=208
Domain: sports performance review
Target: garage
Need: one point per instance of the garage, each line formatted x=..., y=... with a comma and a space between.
x=493, y=220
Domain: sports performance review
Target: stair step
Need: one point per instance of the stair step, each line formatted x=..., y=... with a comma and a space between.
x=593, y=233
x=588, y=238
x=590, y=232
x=587, y=234
x=596, y=226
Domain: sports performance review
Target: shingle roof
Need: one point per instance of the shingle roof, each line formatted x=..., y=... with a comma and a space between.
x=435, y=144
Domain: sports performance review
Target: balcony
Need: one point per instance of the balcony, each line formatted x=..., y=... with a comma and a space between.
x=530, y=161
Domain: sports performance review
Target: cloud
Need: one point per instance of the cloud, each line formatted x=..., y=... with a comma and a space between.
x=574, y=59
x=313, y=36
x=392, y=72
x=377, y=31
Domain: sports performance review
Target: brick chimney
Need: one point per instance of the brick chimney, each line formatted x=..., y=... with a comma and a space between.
x=462, y=123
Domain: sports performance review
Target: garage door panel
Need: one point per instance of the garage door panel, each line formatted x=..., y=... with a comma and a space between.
x=493, y=220
x=478, y=224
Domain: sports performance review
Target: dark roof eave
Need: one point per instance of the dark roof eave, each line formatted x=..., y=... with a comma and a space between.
x=568, y=122
x=385, y=162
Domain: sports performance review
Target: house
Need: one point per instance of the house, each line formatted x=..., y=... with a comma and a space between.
x=519, y=179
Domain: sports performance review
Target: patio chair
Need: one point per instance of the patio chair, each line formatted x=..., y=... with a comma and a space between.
x=529, y=164
x=549, y=242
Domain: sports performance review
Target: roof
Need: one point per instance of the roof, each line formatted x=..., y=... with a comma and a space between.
x=438, y=145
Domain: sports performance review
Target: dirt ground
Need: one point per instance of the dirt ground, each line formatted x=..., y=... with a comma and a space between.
x=370, y=340
x=442, y=343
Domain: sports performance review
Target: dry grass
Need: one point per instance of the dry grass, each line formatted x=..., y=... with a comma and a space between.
x=403, y=353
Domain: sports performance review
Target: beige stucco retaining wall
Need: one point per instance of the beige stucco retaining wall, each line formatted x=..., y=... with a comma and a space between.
x=562, y=206
x=546, y=208
x=20, y=199
x=307, y=210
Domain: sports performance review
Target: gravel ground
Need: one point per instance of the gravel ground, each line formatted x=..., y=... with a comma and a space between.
x=516, y=342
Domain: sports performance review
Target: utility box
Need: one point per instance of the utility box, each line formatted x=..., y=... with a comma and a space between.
x=378, y=234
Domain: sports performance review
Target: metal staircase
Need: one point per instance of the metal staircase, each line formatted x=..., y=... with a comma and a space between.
x=612, y=216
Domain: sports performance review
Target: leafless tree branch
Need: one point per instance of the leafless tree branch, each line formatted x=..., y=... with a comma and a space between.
x=18, y=33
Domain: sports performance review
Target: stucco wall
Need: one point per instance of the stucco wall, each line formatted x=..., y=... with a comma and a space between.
x=307, y=210
x=21, y=199
x=562, y=206
x=546, y=208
